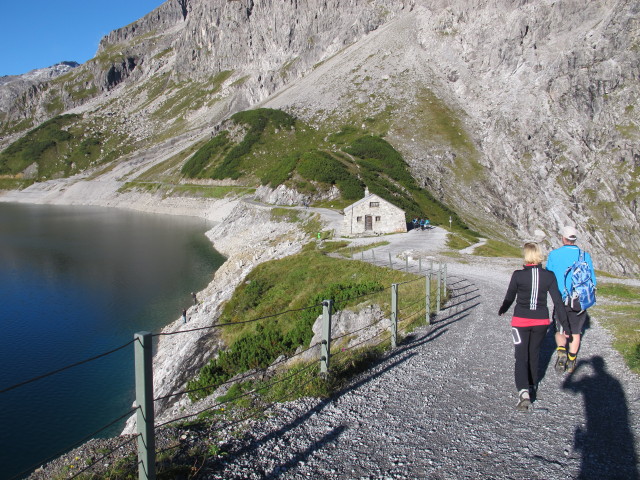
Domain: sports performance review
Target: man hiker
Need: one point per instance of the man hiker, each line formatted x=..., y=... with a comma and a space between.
x=560, y=262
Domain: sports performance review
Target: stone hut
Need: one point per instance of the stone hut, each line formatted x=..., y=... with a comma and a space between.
x=372, y=215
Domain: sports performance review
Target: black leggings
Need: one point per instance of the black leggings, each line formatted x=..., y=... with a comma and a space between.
x=527, y=341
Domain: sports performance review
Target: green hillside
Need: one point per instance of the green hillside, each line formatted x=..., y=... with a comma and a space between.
x=276, y=148
x=60, y=147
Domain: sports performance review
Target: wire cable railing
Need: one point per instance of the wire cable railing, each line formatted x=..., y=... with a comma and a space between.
x=82, y=362
x=234, y=380
x=363, y=335
x=105, y=455
x=74, y=445
x=229, y=324
x=236, y=398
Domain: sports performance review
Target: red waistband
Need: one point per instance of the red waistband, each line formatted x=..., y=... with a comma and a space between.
x=529, y=322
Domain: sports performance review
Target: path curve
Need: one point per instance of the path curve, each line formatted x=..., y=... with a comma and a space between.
x=442, y=405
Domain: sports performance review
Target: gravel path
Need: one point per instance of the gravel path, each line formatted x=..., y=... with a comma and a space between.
x=442, y=406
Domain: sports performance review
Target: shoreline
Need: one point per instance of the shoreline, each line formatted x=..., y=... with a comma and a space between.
x=238, y=230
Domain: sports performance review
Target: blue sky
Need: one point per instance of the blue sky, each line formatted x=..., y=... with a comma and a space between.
x=41, y=33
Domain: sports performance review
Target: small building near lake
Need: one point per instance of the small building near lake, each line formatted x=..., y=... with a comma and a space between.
x=373, y=215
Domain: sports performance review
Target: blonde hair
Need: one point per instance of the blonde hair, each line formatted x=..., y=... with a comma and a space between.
x=532, y=253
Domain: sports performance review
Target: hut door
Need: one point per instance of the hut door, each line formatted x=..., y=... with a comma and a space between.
x=368, y=222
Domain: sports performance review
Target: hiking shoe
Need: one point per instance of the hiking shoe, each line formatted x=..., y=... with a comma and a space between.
x=561, y=361
x=524, y=401
x=571, y=365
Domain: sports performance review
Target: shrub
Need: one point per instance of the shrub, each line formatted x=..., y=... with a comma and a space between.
x=257, y=120
x=281, y=172
x=321, y=167
x=351, y=188
x=271, y=338
x=379, y=155
x=201, y=159
x=35, y=144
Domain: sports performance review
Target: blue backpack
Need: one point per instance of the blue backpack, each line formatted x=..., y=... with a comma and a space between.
x=583, y=292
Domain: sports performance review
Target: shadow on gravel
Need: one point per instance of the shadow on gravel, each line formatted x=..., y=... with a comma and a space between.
x=457, y=313
x=303, y=455
x=606, y=442
x=548, y=348
x=401, y=354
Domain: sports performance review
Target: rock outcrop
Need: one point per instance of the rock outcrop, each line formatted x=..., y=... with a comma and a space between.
x=522, y=116
x=247, y=237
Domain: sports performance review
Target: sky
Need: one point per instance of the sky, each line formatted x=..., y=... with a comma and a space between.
x=40, y=33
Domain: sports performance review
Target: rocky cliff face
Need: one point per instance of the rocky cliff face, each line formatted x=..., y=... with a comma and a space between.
x=552, y=98
x=18, y=90
x=521, y=115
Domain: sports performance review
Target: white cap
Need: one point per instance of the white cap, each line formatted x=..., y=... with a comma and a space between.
x=569, y=232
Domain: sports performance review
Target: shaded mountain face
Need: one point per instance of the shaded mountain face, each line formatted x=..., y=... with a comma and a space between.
x=521, y=116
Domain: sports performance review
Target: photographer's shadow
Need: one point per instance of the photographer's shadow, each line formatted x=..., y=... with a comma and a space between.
x=606, y=443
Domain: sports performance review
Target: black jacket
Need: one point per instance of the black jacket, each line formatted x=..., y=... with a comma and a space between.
x=529, y=287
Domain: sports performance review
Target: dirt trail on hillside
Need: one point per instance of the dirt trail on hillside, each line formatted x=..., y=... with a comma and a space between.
x=442, y=405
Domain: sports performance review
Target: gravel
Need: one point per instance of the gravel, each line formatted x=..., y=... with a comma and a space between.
x=442, y=404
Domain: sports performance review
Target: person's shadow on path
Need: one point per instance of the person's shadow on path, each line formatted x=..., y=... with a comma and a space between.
x=548, y=349
x=606, y=443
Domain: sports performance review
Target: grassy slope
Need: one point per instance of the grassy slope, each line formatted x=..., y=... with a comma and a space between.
x=292, y=285
x=618, y=309
x=279, y=149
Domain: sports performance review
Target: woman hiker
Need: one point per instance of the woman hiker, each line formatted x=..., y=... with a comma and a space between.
x=529, y=287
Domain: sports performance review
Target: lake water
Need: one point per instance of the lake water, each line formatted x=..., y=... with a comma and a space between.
x=76, y=282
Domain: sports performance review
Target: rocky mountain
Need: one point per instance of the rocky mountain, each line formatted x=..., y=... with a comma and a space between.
x=15, y=89
x=520, y=115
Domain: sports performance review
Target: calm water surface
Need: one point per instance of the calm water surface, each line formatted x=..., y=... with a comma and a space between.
x=76, y=282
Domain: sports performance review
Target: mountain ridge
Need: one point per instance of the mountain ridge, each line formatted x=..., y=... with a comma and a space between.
x=540, y=97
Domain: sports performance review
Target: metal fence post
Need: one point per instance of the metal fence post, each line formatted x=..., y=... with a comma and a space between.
x=444, y=280
x=143, y=353
x=373, y=255
x=428, y=302
x=325, y=347
x=390, y=261
x=394, y=315
x=406, y=262
x=420, y=265
x=439, y=287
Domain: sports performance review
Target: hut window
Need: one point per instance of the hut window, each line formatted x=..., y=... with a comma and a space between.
x=374, y=204
x=377, y=219
x=358, y=219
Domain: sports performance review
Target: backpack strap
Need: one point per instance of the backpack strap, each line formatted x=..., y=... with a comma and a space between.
x=566, y=292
